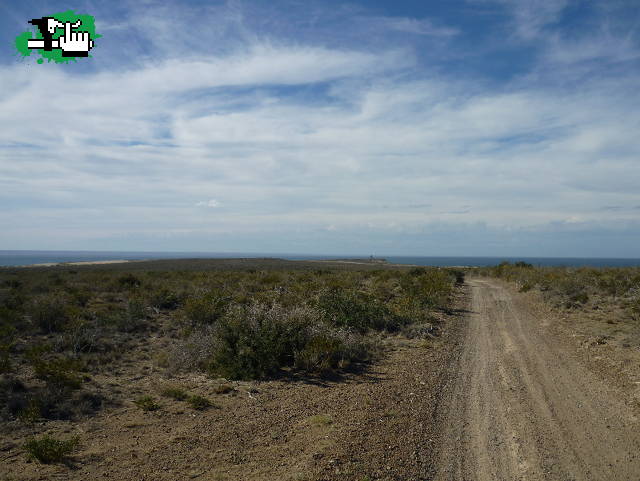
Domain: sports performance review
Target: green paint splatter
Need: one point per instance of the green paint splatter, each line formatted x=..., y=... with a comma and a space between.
x=21, y=43
x=55, y=55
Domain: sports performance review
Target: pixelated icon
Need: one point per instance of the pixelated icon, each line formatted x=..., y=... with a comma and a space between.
x=72, y=44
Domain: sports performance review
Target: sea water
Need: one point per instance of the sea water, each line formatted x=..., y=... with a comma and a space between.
x=21, y=258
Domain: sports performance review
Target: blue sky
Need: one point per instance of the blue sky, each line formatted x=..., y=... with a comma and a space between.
x=477, y=127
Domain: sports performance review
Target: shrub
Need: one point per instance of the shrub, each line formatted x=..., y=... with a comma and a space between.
x=48, y=312
x=320, y=420
x=198, y=402
x=12, y=283
x=175, y=392
x=577, y=299
x=165, y=299
x=134, y=315
x=257, y=341
x=459, y=275
x=147, y=403
x=31, y=411
x=81, y=296
x=60, y=373
x=13, y=396
x=7, y=340
x=49, y=450
x=13, y=300
x=523, y=264
x=327, y=350
x=80, y=336
x=357, y=311
x=50, y=403
x=224, y=389
x=206, y=308
x=431, y=288
x=525, y=287
x=129, y=281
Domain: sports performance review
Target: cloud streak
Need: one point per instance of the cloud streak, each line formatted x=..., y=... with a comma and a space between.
x=308, y=138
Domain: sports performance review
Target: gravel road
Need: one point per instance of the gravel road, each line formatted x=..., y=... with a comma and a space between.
x=520, y=406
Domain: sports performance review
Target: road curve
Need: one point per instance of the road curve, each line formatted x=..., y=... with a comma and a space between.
x=518, y=407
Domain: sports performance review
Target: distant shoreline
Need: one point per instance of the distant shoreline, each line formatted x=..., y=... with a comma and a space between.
x=44, y=259
x=80, y=263
x=123, y=261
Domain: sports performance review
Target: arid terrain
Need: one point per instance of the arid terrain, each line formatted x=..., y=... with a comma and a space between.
x=490, y=382
x=525, y=406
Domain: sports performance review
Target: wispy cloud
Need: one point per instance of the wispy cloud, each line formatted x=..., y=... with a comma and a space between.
x=415, y=26
x=209, y=203
x=530, y=17
x=320, y=144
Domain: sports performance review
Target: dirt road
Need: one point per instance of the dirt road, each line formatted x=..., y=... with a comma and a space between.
x=522, y=407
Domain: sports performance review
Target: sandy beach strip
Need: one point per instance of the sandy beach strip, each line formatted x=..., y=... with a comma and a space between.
x=79, y=263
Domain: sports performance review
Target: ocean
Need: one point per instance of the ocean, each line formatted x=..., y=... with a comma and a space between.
x=21, y=258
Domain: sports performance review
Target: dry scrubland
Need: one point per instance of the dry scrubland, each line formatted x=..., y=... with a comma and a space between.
x=267, y=369
x=602, y=302
x=131, y=350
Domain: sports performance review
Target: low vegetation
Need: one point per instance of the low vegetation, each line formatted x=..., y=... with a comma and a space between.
x=147, y=403
x=571, y=287
x=175, y=392
x=199, y=402
x=50, y=450
x=63, y=328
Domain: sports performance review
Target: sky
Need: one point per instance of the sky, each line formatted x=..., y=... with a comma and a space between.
x=455, y=128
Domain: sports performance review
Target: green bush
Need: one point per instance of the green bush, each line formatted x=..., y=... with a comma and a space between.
x=525, y=287
x=49, y=312
x=49, y=450
x=175, y=392
x=129, y=281
x=13, y=299
x=59, y=373
x=568, y=286
x=357, y=311
x=523, y=264
x=432, y=287
x=53, y=403
x=198, y=402
x=459, y=275
x=257, y=341
x=135, y=314
x=81, y=296
x=31, y=411
x=327, y=350
x=165, y=299
x=206, y=308
x=7, y=341
x=81, y=336
x=147, y=403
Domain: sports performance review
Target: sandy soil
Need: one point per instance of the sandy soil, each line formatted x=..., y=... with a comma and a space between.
x=523, y=407
x=80, y=263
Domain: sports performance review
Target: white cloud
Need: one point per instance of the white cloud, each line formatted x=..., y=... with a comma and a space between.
x=416, y=26
x=532, y=16
x=210, y=203
x=293, y=135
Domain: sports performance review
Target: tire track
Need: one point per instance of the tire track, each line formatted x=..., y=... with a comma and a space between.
x=519, y=407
